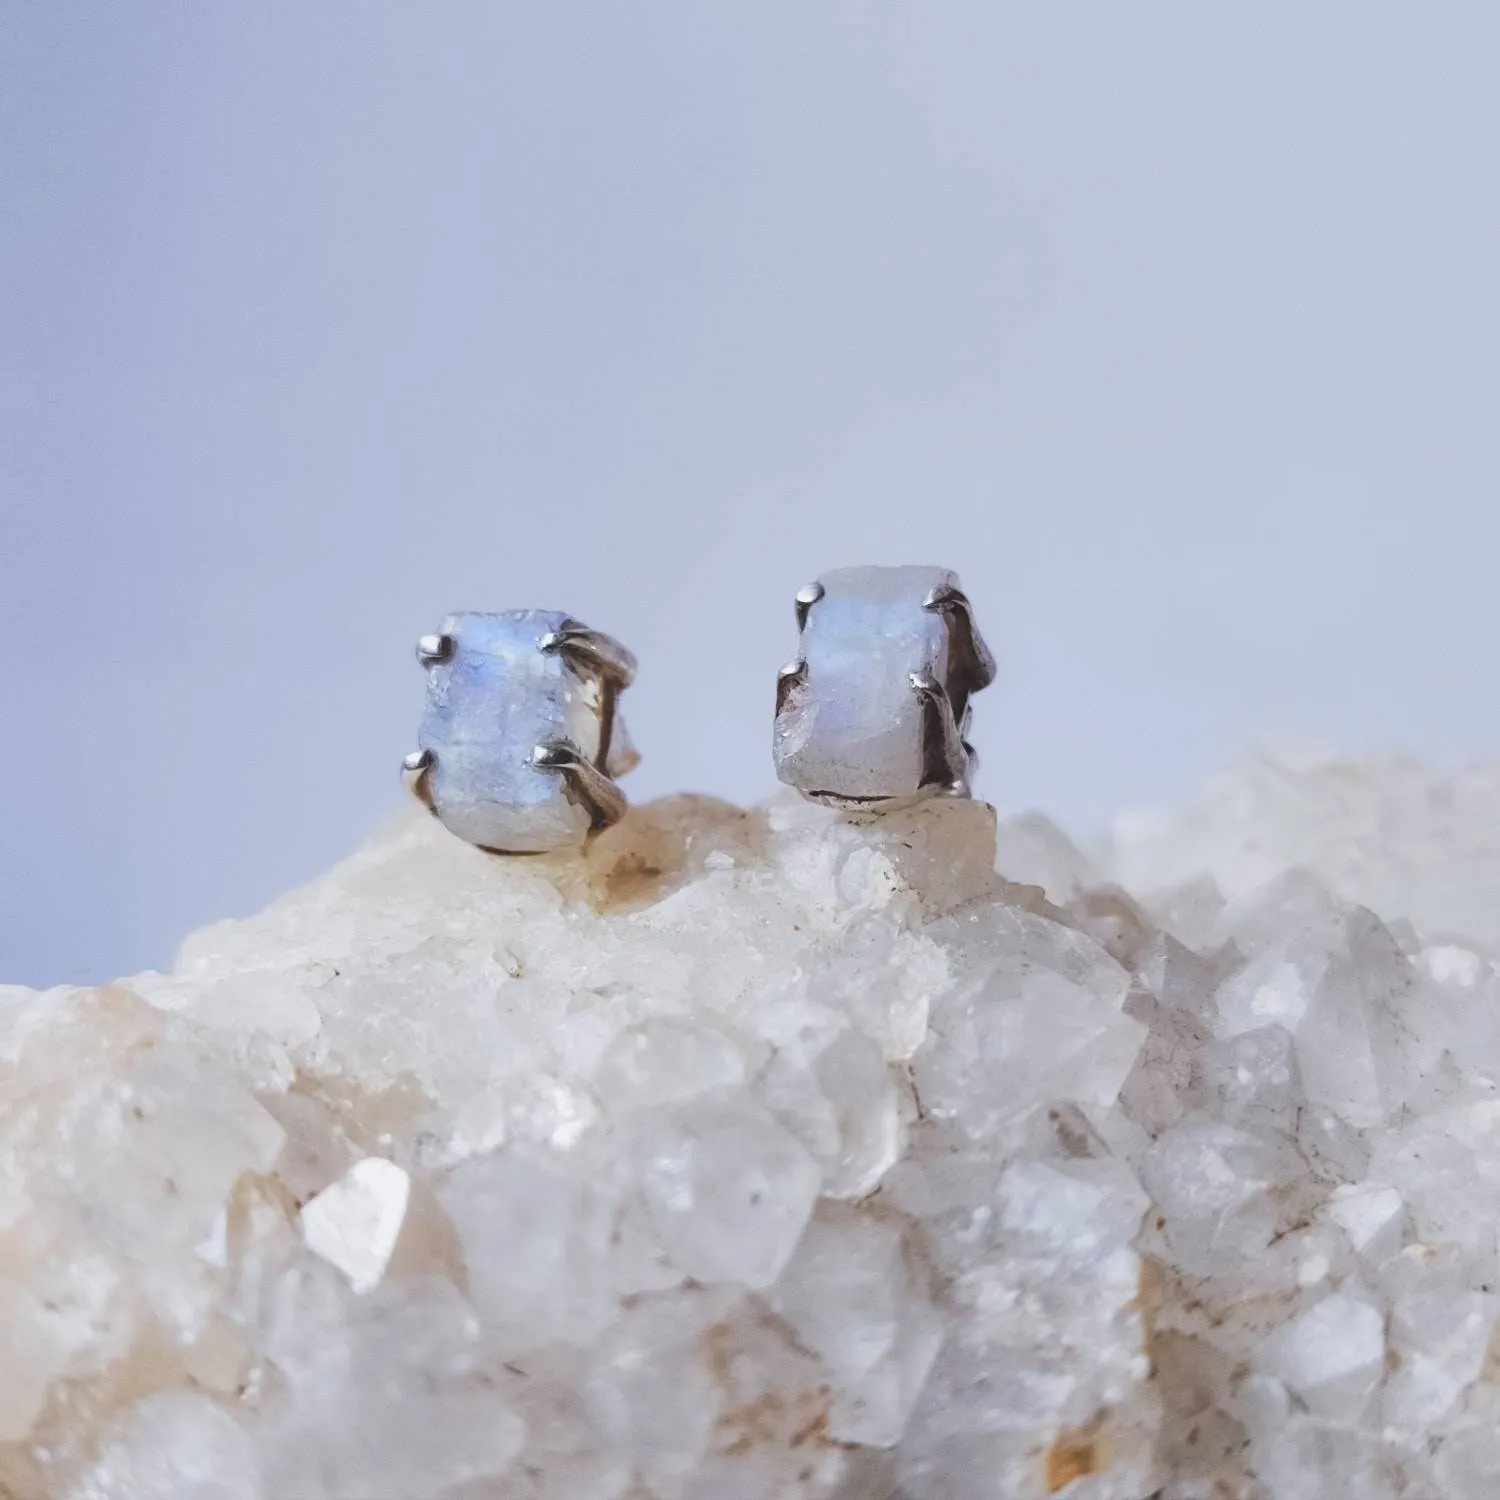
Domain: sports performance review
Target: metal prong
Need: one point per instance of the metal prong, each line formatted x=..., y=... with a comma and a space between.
x=945, y=753
x=791, y=676
x=604, y=800
x=414, y=769
x=431, y=649
x=602, y=652
x=807, y=596
x=978, y=666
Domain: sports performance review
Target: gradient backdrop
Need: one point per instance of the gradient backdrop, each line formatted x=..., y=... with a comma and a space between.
x=1175, y=328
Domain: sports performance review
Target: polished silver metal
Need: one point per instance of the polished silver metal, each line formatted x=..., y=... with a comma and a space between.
x=593, y=648
x=414, y=769
x=977, y=665
x=431, y=649
x=948, y=759
x=592, y=652
x=588, y=784
x=807, y=596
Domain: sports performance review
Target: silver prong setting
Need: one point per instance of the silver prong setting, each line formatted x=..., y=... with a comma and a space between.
x=414, y=769
x=594, y=650
x=521, y=733
x=605, y=801
x=555, y=755
x=807, y=596
x=945, y=753
x=978, y=666
x=432, y=649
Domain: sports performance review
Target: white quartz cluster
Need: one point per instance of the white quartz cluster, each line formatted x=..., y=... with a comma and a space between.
x=773, y=1154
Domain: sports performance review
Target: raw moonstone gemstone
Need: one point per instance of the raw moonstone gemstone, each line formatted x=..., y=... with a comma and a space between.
x=854, y=727
x=495, y=698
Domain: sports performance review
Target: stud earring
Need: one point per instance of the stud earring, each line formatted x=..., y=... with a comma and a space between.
x=521, y=739
x=874, y=713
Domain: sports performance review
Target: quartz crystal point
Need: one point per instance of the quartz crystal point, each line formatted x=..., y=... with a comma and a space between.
x=769, y=1156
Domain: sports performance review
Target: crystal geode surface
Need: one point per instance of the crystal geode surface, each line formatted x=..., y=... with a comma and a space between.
x=763, y=1154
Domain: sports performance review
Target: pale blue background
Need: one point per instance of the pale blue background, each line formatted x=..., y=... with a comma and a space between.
x=1172, y=326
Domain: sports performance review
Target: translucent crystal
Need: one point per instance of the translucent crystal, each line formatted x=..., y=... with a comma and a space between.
x=1366, y=1030
x=1251, y=1079
x=386, y=1395
x=1441, y=1333
x=1332, y=1355
x=1467, y=1465
x=664, y=1059
x=1215, y=1188
x=1033, y=1027
x=652, y=1390
x=782, y=1154
x=836, y=1094
x=710, y=1397
x=855, y=1296
x=1039, y=1380
x=1371, y=1216
x=533, y=1231
x=729, y=1190
x=1446, y=1165
x=1312, y=1459
x=354, y=1223
x=174, y=1446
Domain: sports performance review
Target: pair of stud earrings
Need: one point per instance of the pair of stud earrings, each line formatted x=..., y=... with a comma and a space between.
x=522, y=741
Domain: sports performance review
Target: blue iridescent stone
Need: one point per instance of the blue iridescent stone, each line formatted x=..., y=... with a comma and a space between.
x=494, y=698
x=853, y=726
